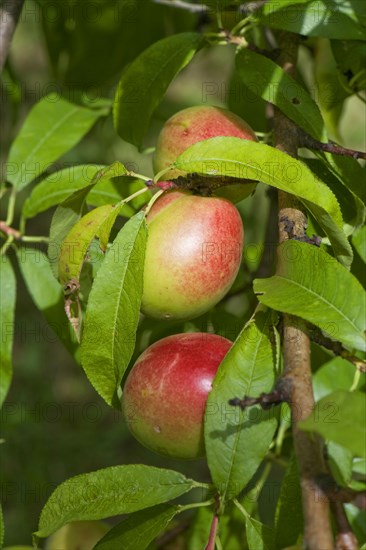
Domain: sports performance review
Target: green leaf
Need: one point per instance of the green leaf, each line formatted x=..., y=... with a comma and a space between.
x=200, y=528
x=144, y=83
x=7, y=301
x=348, y=170
x=313, y=285
x=111, y=191
x=58, y=186
x=113, y=311
x=259, y=536
x=235, y=157
x=108, y=189
x=330, y=86
x=78, y=240
x=64, y=218
x=110, y=492
x=328, y=18
x=138, y=530
x=46, y=294
x=340, y=417
x=289, y=521
x=340, y=461
x=359, y=242
x=353, y=208
x=270, y=82
x=237, y=441
x=336, y=374
x=106, y=227
x=52, y=128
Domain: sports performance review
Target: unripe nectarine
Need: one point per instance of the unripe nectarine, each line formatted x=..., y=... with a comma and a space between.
x=166, y=391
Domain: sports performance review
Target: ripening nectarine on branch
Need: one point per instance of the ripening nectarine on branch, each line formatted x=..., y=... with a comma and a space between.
x=195, y=124
x=193, y=254
x=166, y=391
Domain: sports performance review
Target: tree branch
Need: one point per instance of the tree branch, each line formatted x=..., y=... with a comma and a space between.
x=336, y=493
x=296, y=343
x=305, y=140
x=336, y=347
x=9, y=15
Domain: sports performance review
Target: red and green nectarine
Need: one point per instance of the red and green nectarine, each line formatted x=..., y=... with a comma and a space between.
x=193, y=254
x=195, y=124
x=166, y=391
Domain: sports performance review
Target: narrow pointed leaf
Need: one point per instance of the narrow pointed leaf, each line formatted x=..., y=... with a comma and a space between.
x=289, y=520
x=145, y=81
x=58, y=186
x=7, y=301
x=236, y=441
x=110, y=492
x=64, y=218
x=359, y=242
x=53, y=127
x=259, y=536
x=47, y=294
x=313, y=285
x=113, y=311
x=340, y=417
x=235, y=157
x=270, y=82
x=352, y=207
x=138, y=530
x=78, y=240
x=340, y=19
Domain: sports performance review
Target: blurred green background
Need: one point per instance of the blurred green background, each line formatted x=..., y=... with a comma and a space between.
x=54, y=425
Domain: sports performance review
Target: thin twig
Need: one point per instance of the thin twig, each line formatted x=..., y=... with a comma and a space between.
x=279, y=395
x=336, y=493
x=345, y=538
x=336, y=347
x=10, y=11
x=305, y=140
x=296, y=343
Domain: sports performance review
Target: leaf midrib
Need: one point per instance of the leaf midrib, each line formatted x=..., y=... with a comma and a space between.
x=237, y=437
x=312, y=292
x=275, y=178
x=46, y=137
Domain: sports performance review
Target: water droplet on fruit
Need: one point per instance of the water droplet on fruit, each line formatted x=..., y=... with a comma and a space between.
x=167, y=316
x=157, y=429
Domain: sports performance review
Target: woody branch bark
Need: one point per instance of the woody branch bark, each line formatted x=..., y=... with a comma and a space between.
x=296, y=344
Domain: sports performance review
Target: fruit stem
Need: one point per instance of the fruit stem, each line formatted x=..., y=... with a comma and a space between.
x=152, y=200
x=134, y=195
